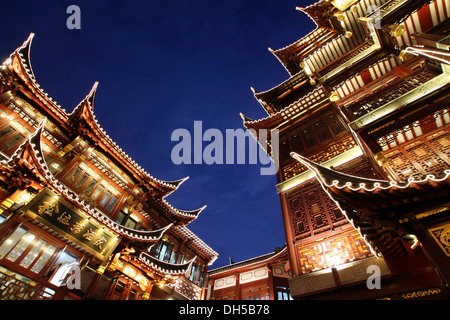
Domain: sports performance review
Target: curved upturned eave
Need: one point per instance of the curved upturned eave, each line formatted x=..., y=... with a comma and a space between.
x=176, y=215
x=85, y=110
x=335, y=178
x=32, y=148
x=20, y=60
x=165, y=267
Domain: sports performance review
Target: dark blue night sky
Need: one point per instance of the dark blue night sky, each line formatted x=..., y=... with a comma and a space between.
x=161, y=65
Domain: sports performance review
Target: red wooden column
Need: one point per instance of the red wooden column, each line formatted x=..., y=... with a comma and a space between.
x=290, y=237
x=237, y=288
x=271, y=285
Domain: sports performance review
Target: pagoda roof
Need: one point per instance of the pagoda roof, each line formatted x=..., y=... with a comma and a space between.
x=271, y=257
x=174, y=214
x=195, y=241
x=268, y=98
x=164, y=267
x=29, y=156
x=319, y=12
x=20, y=61
x=84, y=113
x=375, y=207
x=302, y=105
x=292, y=54
x=336, y=180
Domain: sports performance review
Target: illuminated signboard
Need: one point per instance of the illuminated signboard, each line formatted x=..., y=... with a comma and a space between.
x=72, y=223
x=133, y=273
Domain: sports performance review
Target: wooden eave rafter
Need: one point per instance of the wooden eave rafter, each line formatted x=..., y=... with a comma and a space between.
x=271, y=97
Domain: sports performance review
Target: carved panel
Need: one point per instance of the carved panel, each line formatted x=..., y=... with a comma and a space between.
x=401, y=165
x=312, y=210
x=311, y=283
x=441, y=235
x=441, y=142
x=332, y=150
x=357, y=271
x=352, y=272
x=253, y=275
x=421, y=156
x=331, y=252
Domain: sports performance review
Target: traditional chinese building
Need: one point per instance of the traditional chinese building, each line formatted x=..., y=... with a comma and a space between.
x=79, y=218
x=364, y=149
x=261, y=278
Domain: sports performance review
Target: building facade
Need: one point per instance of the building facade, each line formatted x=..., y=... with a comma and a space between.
x=261, y=278
x=364, y=149
x=79, y=218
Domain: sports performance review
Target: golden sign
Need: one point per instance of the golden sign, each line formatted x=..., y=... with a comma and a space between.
x=72, y=223
x=441, y=235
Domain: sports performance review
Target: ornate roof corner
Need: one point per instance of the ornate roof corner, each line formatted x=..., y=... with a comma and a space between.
x=365, y=202
x=317, y=12
x=172, y=186
x=86, y=107
x=176, y=215
x=20, y=62
x=30, y=156
x=20, y=58
x=245, y=119
x=331, y=177
x=178, y=183
x=165, y=267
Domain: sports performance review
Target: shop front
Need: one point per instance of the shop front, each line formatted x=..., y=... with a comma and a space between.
x=43, y=243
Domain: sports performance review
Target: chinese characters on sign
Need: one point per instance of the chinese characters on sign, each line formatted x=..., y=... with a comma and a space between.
x=72, y=222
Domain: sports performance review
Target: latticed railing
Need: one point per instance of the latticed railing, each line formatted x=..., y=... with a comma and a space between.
x=386, y=89
x=12, y=288
x=346, y=57
x=188, y=289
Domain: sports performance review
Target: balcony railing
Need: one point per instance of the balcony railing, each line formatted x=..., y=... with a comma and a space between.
x=188, y=289
x=11, y=288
